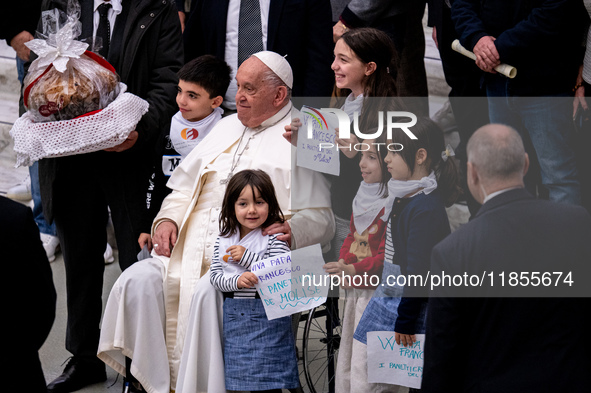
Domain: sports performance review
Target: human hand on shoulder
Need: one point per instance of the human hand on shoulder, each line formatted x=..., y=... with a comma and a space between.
x=247, y=280
x=278, y=227
x=236, y=252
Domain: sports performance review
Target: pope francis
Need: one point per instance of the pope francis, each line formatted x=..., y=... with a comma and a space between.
x=163, y=315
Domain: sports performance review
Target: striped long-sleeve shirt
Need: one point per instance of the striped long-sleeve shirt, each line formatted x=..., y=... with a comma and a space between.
x=230, y=284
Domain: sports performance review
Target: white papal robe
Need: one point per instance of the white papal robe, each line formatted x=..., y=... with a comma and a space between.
x=147, y=312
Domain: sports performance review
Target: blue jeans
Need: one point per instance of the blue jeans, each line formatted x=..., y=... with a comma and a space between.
x=20, y=68
x=547, y=123
x=44, y=226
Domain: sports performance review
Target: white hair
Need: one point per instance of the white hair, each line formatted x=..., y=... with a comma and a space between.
x=275, y=81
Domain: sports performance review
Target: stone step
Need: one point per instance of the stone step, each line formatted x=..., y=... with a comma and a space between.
x=9, y=175
x=9, y=94
x=8, y=107
x=8, y=76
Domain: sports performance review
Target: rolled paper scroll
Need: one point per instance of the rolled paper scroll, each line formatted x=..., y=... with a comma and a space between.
x=505, y=69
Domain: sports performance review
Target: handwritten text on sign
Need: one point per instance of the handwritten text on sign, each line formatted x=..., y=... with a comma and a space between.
x=388, y=362
x=281, y=285
x=317, y=128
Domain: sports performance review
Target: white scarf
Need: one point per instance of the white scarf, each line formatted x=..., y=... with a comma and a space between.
x=253, y=242
x=367, y=204
x=352, y=104
x=399, y=188
x=185, y=134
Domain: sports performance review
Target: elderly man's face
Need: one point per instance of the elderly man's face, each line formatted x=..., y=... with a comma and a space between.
x=255, y=98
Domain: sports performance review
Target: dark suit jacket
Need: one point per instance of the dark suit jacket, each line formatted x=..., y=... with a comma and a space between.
x=300, y=29
x=491, y=344
x=29, y=297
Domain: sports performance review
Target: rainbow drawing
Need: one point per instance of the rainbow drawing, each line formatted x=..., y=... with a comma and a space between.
x=316, y=114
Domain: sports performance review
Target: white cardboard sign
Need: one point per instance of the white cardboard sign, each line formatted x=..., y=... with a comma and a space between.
x=318, y=128
x=388, y=362
x=281, y=285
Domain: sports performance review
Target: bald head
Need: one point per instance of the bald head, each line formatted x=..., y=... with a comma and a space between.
x=497, y=151
x=496, y=159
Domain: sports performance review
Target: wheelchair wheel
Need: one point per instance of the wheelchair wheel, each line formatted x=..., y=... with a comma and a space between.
x=320, y=346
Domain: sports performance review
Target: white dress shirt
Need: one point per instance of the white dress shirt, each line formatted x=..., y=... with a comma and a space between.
x=231, y=51
x=115, y=10
x=494, y=194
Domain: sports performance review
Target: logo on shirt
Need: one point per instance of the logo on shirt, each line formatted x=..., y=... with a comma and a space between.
x=189, y=134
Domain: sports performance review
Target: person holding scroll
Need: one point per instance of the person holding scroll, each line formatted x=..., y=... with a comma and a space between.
x=540, y=40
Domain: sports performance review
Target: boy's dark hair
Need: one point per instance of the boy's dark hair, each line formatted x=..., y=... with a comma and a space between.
x=209, y=72
x=258, y=180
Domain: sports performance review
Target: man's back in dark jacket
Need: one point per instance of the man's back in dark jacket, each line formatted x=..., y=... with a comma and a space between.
x=485, y=343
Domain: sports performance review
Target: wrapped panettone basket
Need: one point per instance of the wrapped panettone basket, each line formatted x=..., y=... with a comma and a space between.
x=89, y=83
x=75, y=102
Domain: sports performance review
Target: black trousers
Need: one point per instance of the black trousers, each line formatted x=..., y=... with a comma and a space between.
x=406, y=32
x=85, y=188
x=467, y=96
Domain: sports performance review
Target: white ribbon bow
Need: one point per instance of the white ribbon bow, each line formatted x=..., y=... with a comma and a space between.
x=65, y=47
x=448, y=152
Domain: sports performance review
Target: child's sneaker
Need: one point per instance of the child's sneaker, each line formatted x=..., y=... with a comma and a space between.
x=109, y=258
x=21, y=192
x=51, y=245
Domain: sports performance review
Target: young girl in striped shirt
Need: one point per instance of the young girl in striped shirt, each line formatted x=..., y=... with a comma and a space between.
x=259, y=355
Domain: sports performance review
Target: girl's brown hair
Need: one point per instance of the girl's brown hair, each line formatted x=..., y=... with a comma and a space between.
x=373, y=45
x=430, y=137
x=258, y=180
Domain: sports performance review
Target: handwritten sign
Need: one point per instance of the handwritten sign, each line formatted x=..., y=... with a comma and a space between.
x=388, y=362
x=318, y=131
x=281, y=285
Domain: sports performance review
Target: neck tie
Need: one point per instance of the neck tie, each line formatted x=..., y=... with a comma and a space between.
x=104, y=28
x=250, y=32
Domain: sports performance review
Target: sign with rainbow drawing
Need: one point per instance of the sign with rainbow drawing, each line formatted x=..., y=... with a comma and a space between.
x=281, y=284
x=318, y=129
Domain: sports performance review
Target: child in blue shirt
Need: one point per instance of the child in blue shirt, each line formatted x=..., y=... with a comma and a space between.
x=424, y=181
